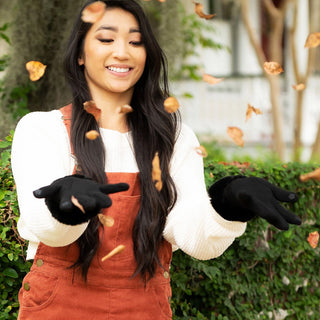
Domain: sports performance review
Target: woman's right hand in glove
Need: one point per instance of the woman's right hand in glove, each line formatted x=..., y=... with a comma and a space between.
x=92, y=197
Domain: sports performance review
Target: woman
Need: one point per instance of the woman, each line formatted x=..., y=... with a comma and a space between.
x=116, y=61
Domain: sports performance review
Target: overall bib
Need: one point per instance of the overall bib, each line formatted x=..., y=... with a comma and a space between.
x=54, y=291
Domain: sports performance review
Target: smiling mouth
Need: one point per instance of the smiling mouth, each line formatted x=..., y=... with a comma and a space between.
x=120, y=70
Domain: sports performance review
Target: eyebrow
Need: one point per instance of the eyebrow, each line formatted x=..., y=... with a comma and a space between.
x=115, y=29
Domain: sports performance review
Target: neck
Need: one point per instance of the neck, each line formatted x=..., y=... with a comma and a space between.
x=109, y=103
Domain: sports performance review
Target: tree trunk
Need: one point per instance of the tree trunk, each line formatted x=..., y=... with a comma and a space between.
x=274, y=84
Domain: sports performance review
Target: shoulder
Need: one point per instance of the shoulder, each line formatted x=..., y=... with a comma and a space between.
x=186, y=137
x=40, y=119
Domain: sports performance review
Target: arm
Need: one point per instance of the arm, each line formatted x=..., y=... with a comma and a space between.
x=41, y=154
x=193, y=225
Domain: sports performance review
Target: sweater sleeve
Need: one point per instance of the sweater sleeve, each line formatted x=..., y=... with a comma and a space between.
x=193, y=225
x=41, y=154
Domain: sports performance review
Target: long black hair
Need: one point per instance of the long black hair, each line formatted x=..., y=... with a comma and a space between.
x=153, y=130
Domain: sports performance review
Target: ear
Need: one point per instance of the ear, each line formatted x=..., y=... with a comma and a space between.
x=80, y=61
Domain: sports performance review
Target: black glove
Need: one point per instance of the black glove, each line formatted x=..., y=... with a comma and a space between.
x=240, y=198
x=91, y=196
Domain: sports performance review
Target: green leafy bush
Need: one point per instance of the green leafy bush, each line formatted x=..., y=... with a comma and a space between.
x=13, y=266
x=262, y=272
x=265, y=271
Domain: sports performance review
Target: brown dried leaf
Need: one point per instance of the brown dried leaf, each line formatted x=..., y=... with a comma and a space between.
x=236, y=135
x=313, y=239
x=156, y=172
x=125, y=109
x=106, y=220
x=201, y=150
x=299, y=87
x=198, y=9
x=92, y=135
x=210, y=79
x=273, y=68
x=91, y=107
x=113, y=252
x=251, y=109
x=75, y=202
x=313, y=40
x=36, y=70
x=171, y=104
x=313, y=175
x=93, y=12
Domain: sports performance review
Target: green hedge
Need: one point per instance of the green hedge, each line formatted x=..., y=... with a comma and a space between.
x=264, y=271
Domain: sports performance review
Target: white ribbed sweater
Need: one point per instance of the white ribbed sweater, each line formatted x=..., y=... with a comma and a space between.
x=41, y=154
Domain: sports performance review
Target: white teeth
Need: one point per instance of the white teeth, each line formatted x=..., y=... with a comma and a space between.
x=119, y=69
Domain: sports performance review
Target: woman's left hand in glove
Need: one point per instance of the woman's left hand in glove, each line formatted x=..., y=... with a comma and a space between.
x=240, y=198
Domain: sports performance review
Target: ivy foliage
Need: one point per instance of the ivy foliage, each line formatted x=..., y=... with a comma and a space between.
x=13, y=266
x=263, y=273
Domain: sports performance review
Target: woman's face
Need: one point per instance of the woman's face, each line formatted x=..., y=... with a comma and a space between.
x=113, y=55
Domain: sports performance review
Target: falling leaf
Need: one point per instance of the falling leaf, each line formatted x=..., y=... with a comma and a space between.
x=273, y=68
x=201, y=150
x=106, y=220
x=236, y=135
x=156, y=172
x=314, y=175
x=93, y=12
x=75, y=201
x=92, y=135
x=299, y=87
x=313, y=40
x=125, y=109
x=171, y=104
x=313, y=239
x=36, y=70
x=198, y=9
x=210, y=79
x=251, y=109
x=91, y=107
x=162, y=0
x=113, y=252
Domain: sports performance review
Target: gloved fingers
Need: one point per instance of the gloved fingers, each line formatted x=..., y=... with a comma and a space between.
x=45, y=192
x=269, y=213
x=288, y=215
x=101, y=200
x=113, y=188
x=281, y=194
x=88, y=203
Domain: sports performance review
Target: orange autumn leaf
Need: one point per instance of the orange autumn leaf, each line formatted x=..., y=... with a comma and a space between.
x=210, y=79
x=113, y=252
x=162, y=0
x=198, y=9
x=91, y=107
x=251, y=109
x=236, y=135
x=313, y=40
x=299, y=87
x=92, y=135
x=93, y=12
x=273, y=68
x=171, y=104
x=107, y=221
x=313, y=239
x=76, y=203
x=36, y=70
x=313, y=175
x=156, y=172
x=201, y=150
x=125, y=109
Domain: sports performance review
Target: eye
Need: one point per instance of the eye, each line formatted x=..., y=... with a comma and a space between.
x=136, y=43
x=106, y=40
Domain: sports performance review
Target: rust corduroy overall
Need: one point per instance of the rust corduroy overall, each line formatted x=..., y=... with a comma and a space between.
x=53, y=291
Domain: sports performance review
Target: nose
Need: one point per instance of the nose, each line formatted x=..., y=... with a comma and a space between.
x=121, y=50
